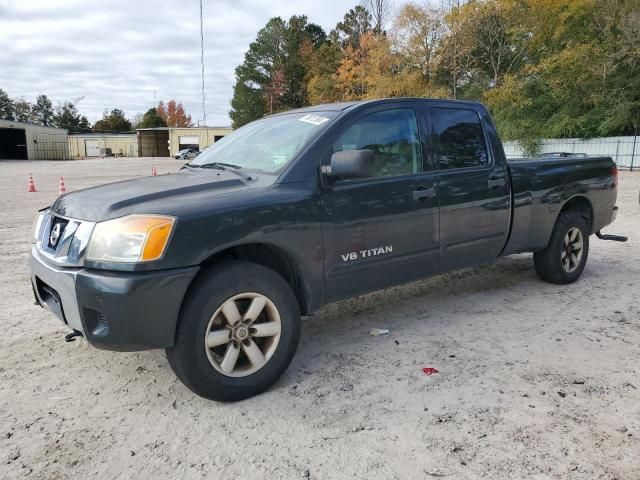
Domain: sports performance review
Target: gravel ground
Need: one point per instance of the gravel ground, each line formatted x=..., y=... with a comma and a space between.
x=535, y=380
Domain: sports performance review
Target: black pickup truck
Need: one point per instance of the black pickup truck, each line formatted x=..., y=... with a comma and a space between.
x=217, y=263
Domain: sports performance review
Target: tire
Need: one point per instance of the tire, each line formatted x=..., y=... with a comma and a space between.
x=561, y=262
x=198, y=358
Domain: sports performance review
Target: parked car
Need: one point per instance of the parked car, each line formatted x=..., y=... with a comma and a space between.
x=217, y=263
x=187, y=154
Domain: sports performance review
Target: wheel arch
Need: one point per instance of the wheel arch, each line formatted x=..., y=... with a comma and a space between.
x=581, y=204
x=270, y=256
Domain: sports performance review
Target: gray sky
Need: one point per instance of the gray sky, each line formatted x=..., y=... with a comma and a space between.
x=116, y=52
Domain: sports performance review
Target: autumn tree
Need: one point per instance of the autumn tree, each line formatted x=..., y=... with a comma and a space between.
x=351, y=76
x=376, y=70
x=322, y=64
x=173, y=114
x=545, y=68
x=581, y=75
x=495, y=39
x=417, y=33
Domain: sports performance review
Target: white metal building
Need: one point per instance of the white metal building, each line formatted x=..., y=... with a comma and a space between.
x=167, y=141
x=103, y=145
x=27, y=141
x=197, y=138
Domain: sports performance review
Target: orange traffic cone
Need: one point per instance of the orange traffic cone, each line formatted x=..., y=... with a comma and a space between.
x=62, y=190
x=32, y=186
x=153, y=171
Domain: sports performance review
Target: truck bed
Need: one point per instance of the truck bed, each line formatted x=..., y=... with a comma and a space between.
x=541, y=186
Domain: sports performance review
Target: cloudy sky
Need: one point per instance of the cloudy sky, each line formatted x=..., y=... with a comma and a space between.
x=115, y=53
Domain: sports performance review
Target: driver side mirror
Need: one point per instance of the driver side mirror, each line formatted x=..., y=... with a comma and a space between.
x=349, y=164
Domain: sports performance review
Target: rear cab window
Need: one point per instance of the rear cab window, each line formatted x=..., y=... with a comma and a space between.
x=457, y=138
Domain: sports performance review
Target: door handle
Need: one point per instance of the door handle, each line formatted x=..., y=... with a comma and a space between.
x=423, y=193
x=495, y=182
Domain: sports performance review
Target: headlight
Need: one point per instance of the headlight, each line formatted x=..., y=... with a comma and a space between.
x=134, y=238
x=38, y=226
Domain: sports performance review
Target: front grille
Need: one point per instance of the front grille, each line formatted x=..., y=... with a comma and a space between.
x=63, y=240
x=56, y=232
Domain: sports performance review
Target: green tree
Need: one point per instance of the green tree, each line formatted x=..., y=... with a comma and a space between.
x=581, y=77
x=273, y=75
x=6, y=106
x=356, y=23
x=42, y=110
x=247, y=104
x=67, y=116
x=298, y=32
x=151, y=119
x=113, y=121
x=22, y=111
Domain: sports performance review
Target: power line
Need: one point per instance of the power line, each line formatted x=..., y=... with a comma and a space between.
x=204, y=112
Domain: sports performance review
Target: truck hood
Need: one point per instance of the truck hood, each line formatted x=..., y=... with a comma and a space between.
x=159, y=194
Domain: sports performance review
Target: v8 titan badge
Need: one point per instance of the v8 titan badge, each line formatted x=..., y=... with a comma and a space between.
x=370, y=252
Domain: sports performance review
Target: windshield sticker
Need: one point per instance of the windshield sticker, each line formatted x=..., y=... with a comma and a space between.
x=314, y=119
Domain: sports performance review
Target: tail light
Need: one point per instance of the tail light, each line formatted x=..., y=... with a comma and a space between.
x=614, y=174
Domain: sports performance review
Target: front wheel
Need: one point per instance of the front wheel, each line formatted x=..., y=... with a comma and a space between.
x=564, y=258
x=238, y=330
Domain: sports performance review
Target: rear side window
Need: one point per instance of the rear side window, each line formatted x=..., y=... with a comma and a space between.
x=393, y=137
x=457, y=138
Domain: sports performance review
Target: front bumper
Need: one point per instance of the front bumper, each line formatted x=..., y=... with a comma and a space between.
x=123, y=311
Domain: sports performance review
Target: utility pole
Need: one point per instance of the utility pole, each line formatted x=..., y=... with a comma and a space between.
x=635, y=136
x=204, y=112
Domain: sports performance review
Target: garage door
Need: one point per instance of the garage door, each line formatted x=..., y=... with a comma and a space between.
x=13, y=144
x=188, y=142
x=92, y=147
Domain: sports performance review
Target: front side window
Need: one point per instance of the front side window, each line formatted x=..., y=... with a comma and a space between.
x=393, y=137
x=457, y=138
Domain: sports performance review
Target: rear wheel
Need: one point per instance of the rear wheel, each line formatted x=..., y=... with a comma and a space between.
x=566, y=255
x=238, y=330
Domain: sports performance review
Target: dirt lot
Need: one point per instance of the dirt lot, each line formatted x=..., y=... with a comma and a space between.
x=536, y=380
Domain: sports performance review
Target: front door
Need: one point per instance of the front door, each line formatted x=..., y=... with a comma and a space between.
x=382, y=230
x=473, y=189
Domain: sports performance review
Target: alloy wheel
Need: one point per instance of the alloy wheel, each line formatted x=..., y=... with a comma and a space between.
x=572, y=248
x=243, y=334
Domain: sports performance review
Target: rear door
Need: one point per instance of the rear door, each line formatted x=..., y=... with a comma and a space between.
x=382, y=230
x=473, y=187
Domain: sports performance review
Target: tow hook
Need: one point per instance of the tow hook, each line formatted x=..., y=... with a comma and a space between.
x=614, y=238
x=71, y=337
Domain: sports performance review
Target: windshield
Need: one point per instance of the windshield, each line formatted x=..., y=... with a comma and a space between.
x=266, y=145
